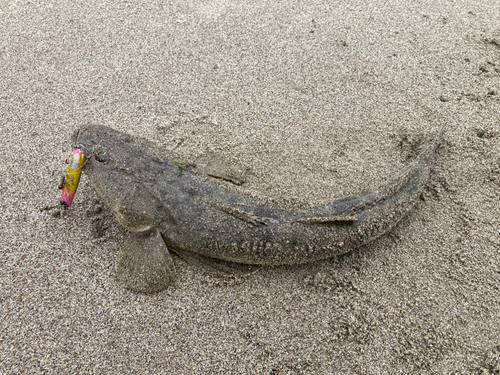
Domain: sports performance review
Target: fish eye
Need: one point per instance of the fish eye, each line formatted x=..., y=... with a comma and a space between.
x=102, y=158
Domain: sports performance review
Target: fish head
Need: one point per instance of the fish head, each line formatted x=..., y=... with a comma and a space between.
x=123, y=174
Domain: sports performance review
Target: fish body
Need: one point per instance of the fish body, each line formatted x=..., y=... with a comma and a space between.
x=183, y=210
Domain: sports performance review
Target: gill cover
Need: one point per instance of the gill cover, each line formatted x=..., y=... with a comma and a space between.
x=140, y=210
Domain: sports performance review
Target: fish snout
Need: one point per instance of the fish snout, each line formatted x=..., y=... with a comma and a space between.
x=76, y=136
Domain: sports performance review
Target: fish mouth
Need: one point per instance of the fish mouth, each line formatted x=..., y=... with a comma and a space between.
x=77, y=135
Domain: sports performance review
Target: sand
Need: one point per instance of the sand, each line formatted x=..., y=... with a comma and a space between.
x=312, y=102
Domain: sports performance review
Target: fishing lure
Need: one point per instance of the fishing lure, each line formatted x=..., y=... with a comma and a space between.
x=72, y=178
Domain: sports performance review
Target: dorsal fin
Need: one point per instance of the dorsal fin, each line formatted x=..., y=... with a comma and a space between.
x=216, y=166
x=240, y=214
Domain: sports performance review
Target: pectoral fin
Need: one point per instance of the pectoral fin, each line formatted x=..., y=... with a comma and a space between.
x=145, y=264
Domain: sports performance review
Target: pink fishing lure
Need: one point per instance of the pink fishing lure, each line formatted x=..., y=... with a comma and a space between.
x=72, y=178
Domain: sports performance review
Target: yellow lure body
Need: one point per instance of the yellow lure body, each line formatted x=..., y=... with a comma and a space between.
x=72, y=178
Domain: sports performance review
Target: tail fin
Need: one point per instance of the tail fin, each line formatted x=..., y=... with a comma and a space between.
x=372, y=215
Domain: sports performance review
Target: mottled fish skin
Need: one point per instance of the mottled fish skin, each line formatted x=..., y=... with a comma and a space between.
x=198, y=214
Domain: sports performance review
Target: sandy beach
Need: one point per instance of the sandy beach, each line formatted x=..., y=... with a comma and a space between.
x=311, y=102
